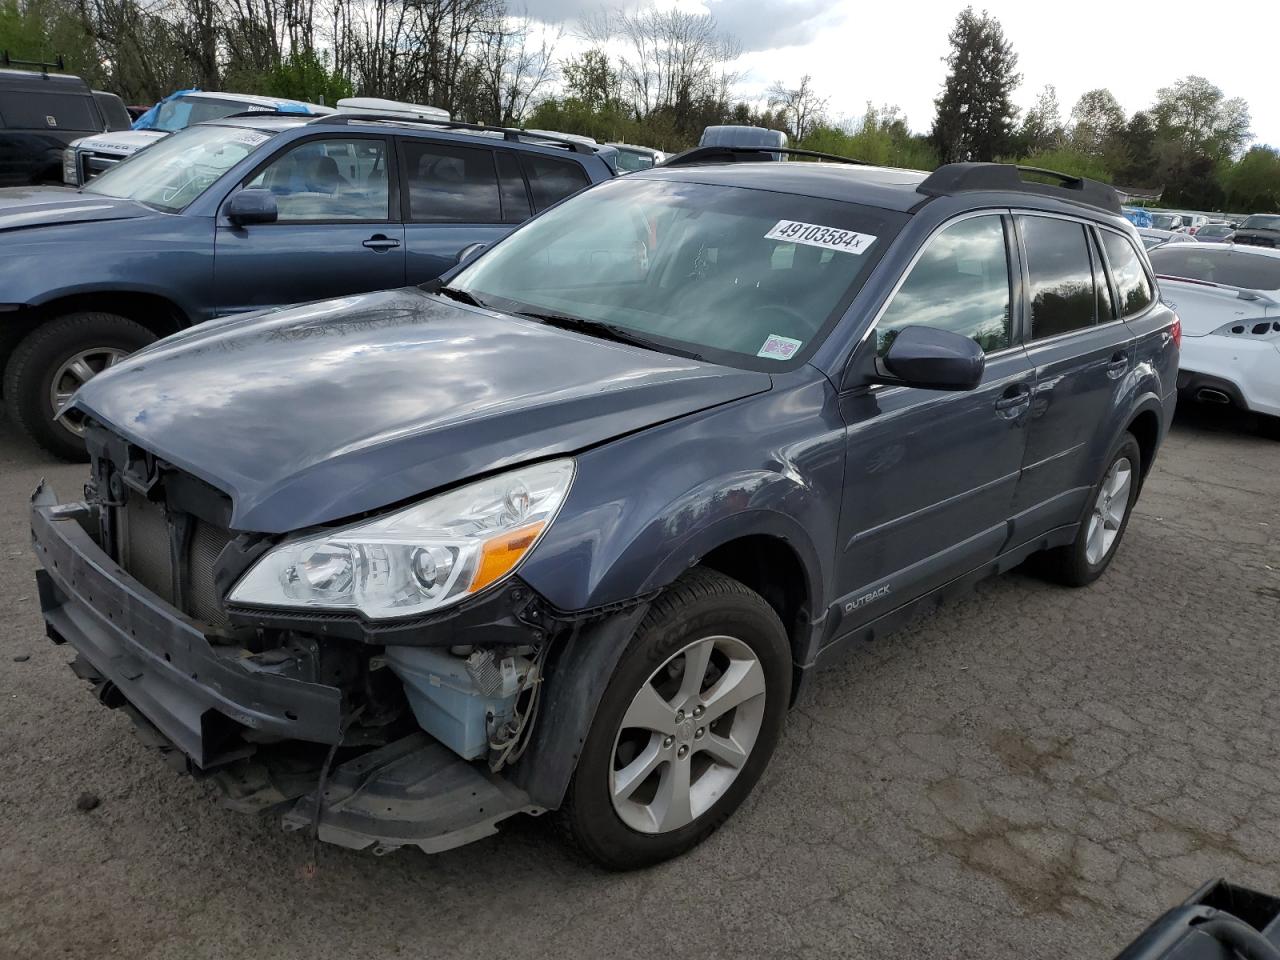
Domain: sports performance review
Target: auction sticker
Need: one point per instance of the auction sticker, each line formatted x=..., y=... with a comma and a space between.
x=779, y=348
x=816, y=235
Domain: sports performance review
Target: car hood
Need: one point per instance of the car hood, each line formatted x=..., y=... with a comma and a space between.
x=120, y=141
x=324, y=411
x=24, y=207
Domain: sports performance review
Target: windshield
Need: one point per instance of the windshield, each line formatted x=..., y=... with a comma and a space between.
x=1166, y=221
x=172, y=172
x=185, y=111
x=1215, y=264
x=1261, y=221
x=746, y=277
x=1213, y=230
x=631, y=160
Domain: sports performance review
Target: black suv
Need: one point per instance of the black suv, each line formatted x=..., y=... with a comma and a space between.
x=571, y=526
x=40, y=114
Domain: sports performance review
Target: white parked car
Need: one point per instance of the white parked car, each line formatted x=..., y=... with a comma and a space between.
x=1228, y=298
x=89, y=156
x=1151, y=237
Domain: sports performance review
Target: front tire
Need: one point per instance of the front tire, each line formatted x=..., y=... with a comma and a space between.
x=55, y=359
x=686, y=726
x=1106, y=517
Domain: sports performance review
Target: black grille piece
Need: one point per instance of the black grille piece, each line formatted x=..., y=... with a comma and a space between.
x=144, y=545
x=207, y=541
x=146, y=534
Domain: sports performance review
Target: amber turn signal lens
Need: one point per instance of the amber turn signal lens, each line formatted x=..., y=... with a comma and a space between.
x=502, y=553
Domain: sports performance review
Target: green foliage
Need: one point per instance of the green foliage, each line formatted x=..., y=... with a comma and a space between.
x=1195, y=114
x=880, y=137
x=975, y=119
x=305, y=76
x=43, y=30
x=1254, y=182
x=1077, y=163
x=1096, y=120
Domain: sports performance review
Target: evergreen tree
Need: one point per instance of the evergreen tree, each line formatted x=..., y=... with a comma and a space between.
x=976, y=115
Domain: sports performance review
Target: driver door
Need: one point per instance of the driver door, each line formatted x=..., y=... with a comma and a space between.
x=339, y=230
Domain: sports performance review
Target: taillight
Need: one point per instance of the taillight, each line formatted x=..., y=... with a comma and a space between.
x=1175, y=331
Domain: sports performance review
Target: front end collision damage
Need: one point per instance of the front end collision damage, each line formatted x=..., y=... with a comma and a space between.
x=283, y=728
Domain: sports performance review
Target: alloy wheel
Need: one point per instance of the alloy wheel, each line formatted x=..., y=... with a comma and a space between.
x=1109, y=511
x=78, y=370
x=687, y=734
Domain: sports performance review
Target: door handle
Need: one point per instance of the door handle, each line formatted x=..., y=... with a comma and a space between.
x=380, y=241
x=1018, y=395
x=1118, y=365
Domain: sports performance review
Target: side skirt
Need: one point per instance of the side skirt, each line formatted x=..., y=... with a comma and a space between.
x=935, y=598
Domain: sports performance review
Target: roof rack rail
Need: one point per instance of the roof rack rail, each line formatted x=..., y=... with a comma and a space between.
x=1002, y=177
x=509, y=133
x=741, y=154
x=8, y=61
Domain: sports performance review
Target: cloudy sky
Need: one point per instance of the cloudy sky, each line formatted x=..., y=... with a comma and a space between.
x=892, y=52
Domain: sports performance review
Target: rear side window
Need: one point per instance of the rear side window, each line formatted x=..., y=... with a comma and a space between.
x=1133, y=286
x=960, y=283
x=450, y=184
x=552, y=180
x=49, y=111
x=1252, y=271
x=515, y=197
x=1060, y=277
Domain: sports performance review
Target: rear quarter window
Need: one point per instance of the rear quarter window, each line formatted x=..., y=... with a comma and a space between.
x=552, y=179
x=49, y=111
x=1133, y=286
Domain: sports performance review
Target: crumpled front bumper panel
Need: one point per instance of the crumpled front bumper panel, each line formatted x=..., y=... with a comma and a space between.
x=159, y=659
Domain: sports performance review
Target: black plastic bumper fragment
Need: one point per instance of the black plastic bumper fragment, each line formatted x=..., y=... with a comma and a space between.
x=1220, y=921
x=156, y=658
x=413, y=792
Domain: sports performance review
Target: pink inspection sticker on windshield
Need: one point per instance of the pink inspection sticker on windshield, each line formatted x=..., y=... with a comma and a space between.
x=779, y=348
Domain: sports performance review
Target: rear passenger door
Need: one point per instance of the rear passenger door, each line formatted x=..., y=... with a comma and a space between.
x=456, y=195
x=930, y=474
x=1082, y=353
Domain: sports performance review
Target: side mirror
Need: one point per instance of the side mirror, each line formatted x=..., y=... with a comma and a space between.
x=252, y=206
x=469, y=251
x=931, y=359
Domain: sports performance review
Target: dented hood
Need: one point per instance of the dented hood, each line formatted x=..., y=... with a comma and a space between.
x=324, y=411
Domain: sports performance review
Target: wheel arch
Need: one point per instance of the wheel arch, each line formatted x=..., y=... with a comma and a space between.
x=158, y=313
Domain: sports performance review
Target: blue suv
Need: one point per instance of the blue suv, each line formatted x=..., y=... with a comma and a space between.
x=244, y=213
x=570, y=527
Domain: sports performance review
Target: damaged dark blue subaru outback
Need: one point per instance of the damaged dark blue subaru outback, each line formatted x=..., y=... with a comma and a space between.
x=568, y=528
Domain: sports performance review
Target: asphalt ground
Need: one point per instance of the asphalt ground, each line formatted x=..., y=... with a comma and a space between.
x=1030, y=772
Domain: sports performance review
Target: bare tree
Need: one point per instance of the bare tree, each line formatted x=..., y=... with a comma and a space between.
x=801, y=105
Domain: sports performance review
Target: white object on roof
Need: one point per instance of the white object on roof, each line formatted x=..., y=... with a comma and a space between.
x=391, y=108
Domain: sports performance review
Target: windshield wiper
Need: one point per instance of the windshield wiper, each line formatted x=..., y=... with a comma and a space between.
x=605, y=331
x=462, y=296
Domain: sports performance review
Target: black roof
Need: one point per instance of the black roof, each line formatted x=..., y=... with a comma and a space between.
x=895, y=189
x=28, y=81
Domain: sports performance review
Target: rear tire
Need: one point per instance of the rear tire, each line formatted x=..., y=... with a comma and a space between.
x=1102, y=527
x=625, y=807
x=71, y=349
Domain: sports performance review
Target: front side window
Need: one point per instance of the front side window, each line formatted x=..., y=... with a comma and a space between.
x=960, y=283
x=450, y=184
x=338, y=179
x=171, y=173
x=1059, y=274
x=1133, y=286
x=746, y=277
x=551, y=179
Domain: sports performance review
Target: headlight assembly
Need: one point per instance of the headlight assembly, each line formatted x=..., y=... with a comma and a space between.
x=418, y=559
